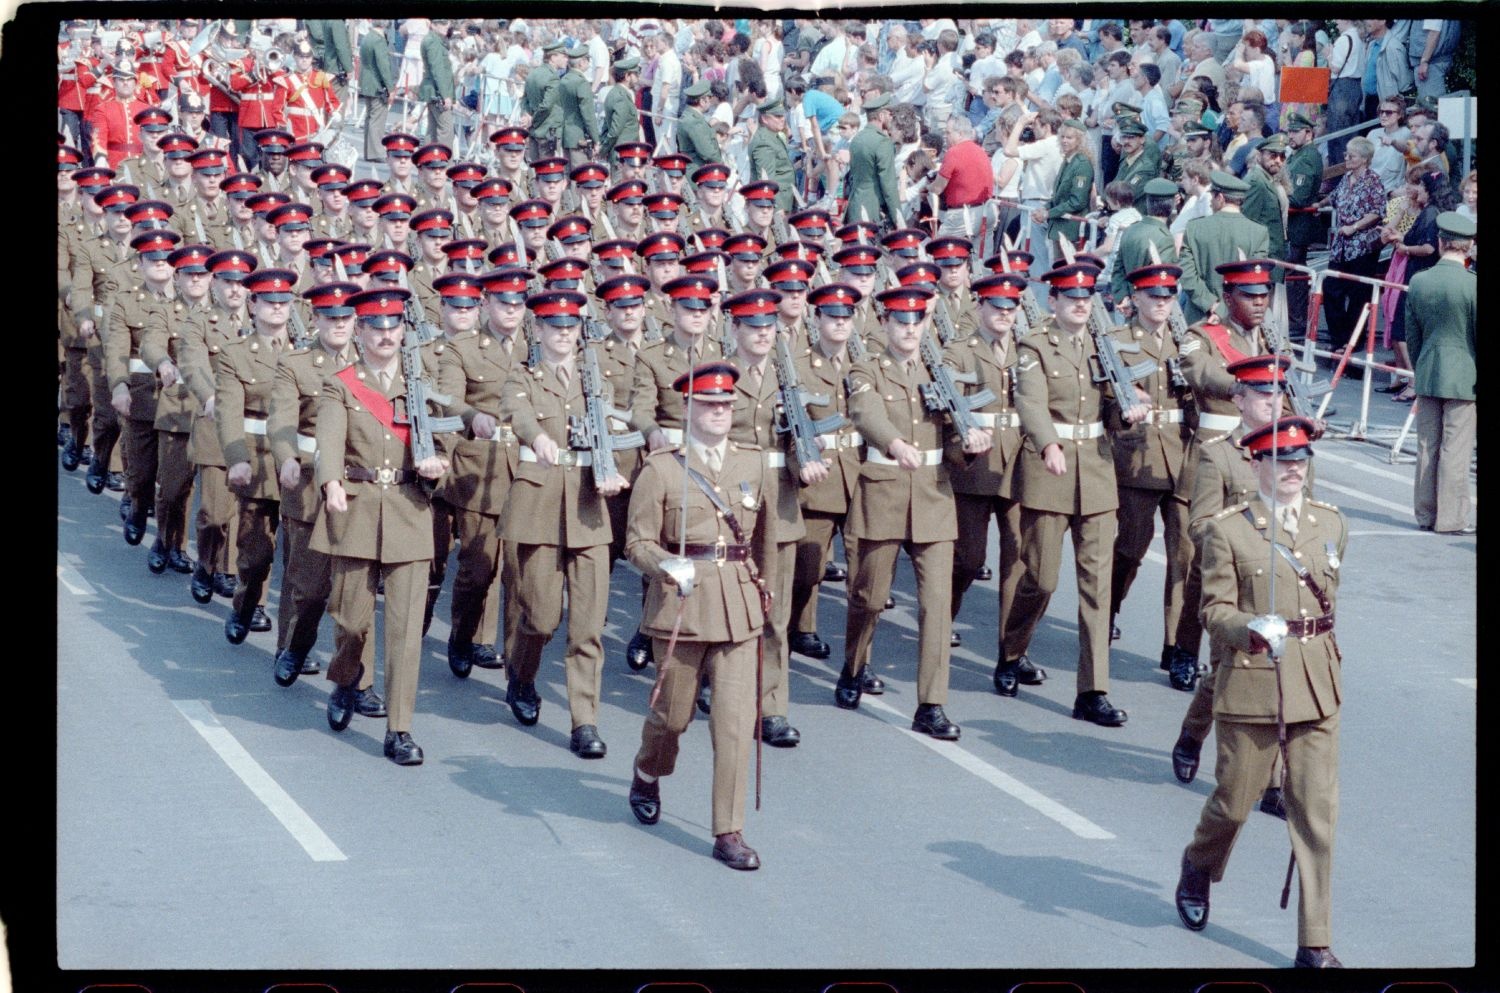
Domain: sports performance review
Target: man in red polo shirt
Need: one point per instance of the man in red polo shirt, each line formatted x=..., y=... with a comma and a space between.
x=964, y=183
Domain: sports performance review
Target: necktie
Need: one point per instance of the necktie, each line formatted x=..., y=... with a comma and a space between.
x=385, y=382
x=562, y=377
x=997, y=348
x=755, y=378
x=1289, y=519
x=508, y=343
x=713, y=459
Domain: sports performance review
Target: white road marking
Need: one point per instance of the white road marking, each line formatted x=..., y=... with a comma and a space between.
x=1042, y=804
x=1387, y=534
x=1472, y=684
x=1376, y=470
x=1156, y=556
x=266, y=790
x=1320, y=484
x=76, y=584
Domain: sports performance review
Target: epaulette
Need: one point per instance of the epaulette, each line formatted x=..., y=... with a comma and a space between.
x=1214, y=440
x=1320, y=503
x=1234, y=508
x=658, y=343
x=299, y=351
x=744, y=446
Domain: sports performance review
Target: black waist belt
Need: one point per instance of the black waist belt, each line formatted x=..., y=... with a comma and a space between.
x=718, y=553
x=1308, y=627
x=359, y=474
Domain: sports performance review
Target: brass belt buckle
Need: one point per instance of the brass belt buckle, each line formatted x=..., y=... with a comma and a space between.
x=567, y=457
x=385, y=475
x=721, y=553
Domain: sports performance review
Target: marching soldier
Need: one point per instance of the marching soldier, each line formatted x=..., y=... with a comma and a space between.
x=464, y=177
x=661, y=253
x=903, y=500
x=272, y=145
x=711, y=186
x=293, y=224
x=238, y=188
x=400, y=149
x=627, y=201
x=556, y=516
x=432, y=163
x=745, y=254
x=291, y=425
x=761, y=199
x=149, y=168
x=575, y=99
x=533, y=217
x=1149, y=459
x=707, y=560
x=624, y=302
x=80, y=351
x=550, y=177
x=1067, y=477
x=246, y=371
x=664, y=210
x=951, y=256
x=632, y=158
x=510, y=150
x=473, y=371
x=1274, y=686
x=588, y=181
x=394, y=211
x=493, y=195
x=985, y=488
x=1208, y=242
x=131, y=381
x=205, y=215
x=857, y=265
x=333, y=219
x=790, y=278
x=375, y=523
x=622, y=121
x=823, y=367
x=434, y=229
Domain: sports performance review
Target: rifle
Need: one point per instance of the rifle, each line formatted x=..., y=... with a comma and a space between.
x=943, y=321
x=416, y=315
x=1177, y=326
x=418, y=393
x=727, y=343
x=792, y=416
x=533, y=345
x=856, y=347
x=1297, y=391
x=1109, y=367
x=942, y=394
x=590, y=432
x=302, y=337
x=654, y=330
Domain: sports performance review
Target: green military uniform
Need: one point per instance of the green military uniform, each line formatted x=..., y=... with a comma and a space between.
x=1304, y=686
x=1133, y=253
x=1265, y=204
x=539, y=98
x=1209, y=242
x=696, y=140
x=580, y=132
x=1304, y=169
x=622, y=122
x=559, y=524
x=872, y=180
x=437, y=80
x=1059, y=403
x=895, y=508
x=376, y=81
x=1441, y=323
x=1071, y=194
x=330, y=44
x=718, y=625
x=769, y=159
x=1138, y=171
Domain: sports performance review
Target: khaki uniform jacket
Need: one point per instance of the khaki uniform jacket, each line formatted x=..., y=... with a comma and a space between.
x=150, y=176
x=204, y=335
x=755, y=416
x=653, y=402
x=1055, y=385
x=246, y=373
x=892, y=503
x=385, y=522
x=962, y=311
x=1149, y=455
x=834, y=494
x=1236, y=556
x=129, y=314
x=1211, y=241
x=725, y=605
x=617, y=365
x=420, y=281
x=325, y=225
x=1206, y=368
x=991, y=474
x=473, y=369
x=295, y=395
x=101, y=267
x=163, y=339
x=1441, y=321
x=215, y=221
x=550, y=505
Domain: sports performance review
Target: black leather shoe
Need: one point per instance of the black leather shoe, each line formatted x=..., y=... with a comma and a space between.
x=115, y=482
x=224, y=585
x=178, y=561
x=733, y=852
x=87, y=455
x=1096, y=708
x=524, y=701
x=645, y=799
x=586, y=743
x=400, y=749
x=1272, y=802
x=367, y=703
x=930, y=720
x=460, y=659
x=288, y=668
x=705, y=698
x=94, y=480
x=871, y=683
x=776, y=732
x=847, y=690
x=1183, y=672
x=485, y=657
x=1028, y=674
x=259, y=619
x=156, y=558
x=64, y=435
x=126, y=505
x=1316, y=958
x=341, y=707
x=834, y=573
x=890, y=603
x=954, y=640
x=134, y=532
x=1006, y=678
x=71, y=457
x=235, y=628
x=810, y=645
x=638, y=653
x=1185, y=757
x=310, y=666
x=202, y=586
x=1192, y=896
x=1168, y=653
x=984, y=575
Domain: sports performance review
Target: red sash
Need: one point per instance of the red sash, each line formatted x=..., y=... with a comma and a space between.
x=1219, y=335
x=379, y=407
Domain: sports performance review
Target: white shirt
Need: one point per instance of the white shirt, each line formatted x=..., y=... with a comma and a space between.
x=1193, y=207
x=937, y=27
x=1041, y=160
x=1347, y=58
x=906, y=73
x=1029, y=41
x=830, y=61
x=669, y=73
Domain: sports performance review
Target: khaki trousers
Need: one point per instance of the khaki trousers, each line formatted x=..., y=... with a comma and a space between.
x=257, y=550
x=105, y=428
x=1246, y=753
x=1136, y=520
x=217, y=510
x=974, y=513
x=352, y=607
x=485, y=563
x=731, y=725
x=306, y=581
x=1041, y=549
x=543, y=570
x=140, y=465
x=807, y=571
x=1445, y=442
x=174, y=476
x=871, y=569
x=78, y=391
x=774, y=678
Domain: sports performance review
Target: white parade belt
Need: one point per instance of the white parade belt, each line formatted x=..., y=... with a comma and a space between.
x=565, y=456
x=997, y=418
x=1079, y=432
x=307, y=443
x=255, y=425
x=930, y=456
x=136, y=365
x=1218, y=422
x=849, y=439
